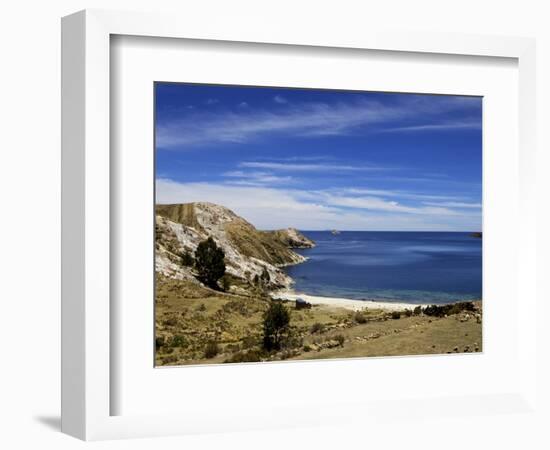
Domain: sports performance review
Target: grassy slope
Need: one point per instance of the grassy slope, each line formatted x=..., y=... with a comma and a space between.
x=406, y=336
x=258, y=244
x=196, y=316
x=180, y=213
x=199, y=315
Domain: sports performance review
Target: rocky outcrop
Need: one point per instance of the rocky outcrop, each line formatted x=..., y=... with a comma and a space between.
x=248, y=252
x=292, y=238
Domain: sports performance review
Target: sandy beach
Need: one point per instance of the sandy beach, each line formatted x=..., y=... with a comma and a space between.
x=355, y=305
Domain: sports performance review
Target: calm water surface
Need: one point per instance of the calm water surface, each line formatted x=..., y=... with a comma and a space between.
x=416, y=267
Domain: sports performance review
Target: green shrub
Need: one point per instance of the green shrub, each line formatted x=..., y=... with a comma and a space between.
x=276, y=325
x=159, y=342
x=359, y=317
x=417, y=310
x=292, y=340
x=457, y=308
x=211, y=350
x=307, y=348
x=265, y=277
x=187, y=259
x=169, y=359
x=210, y=262
x=434, y=311
x=454, y=309
x=317, y=327
x=248, y=356
x=302, y=304
x=178, y=341
x=340, y=338
x=232, y=348
x=262, y=281
x=226, y=283
x=396, y=315
x=443, y=310
x=170, y=321
x=249, y=342
x=289, y=354
x=408, y=312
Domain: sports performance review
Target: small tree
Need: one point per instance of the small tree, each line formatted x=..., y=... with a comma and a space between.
x=210, y=262
x=186, y=259
x=226, y=283
x=211, y=350
x=276, y=325
x=262, y=280
x=265, y=277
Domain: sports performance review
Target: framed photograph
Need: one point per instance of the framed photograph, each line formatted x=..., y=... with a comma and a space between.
x=292, y=214
x=298, y=224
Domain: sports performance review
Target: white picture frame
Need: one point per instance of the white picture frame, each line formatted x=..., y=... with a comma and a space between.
x=87, y=386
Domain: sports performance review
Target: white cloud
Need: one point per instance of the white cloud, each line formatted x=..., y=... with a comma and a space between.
x=279, y=99
x=257, y=178
x=403, y=195
x=307, y=119
x=269, y=208
x=303, y=158
x=300, y=167
x=457, y=125
x=454, y=204
x=379, y=204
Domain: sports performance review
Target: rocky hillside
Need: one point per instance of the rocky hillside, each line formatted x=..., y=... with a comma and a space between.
x=248, y=252
x=292, y=238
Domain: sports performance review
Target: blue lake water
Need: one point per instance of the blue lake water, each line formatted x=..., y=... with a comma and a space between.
x=416, y=267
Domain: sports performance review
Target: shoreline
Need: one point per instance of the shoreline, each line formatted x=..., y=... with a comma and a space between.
x=288, y=294
x=355, y=305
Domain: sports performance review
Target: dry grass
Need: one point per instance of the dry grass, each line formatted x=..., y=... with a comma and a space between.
x=180, y=213
x=258, y=244
x=406, y=336
x=189, y=317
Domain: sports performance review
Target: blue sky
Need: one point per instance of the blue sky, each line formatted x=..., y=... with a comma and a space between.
x=322, y=159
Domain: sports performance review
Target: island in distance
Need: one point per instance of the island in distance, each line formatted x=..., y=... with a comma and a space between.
x=224, y=295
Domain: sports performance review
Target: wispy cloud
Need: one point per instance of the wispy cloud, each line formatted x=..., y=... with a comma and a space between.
x=247, y=178
x=279, y=99
x=313, y=119
x=302, y=158
x=380, y=204
x=308, y=167
x=404, y=195
x=268, y=207
x=473, y=124
x=454, y=204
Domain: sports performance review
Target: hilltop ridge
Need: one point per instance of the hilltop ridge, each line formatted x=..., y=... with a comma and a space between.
x=248, y=251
